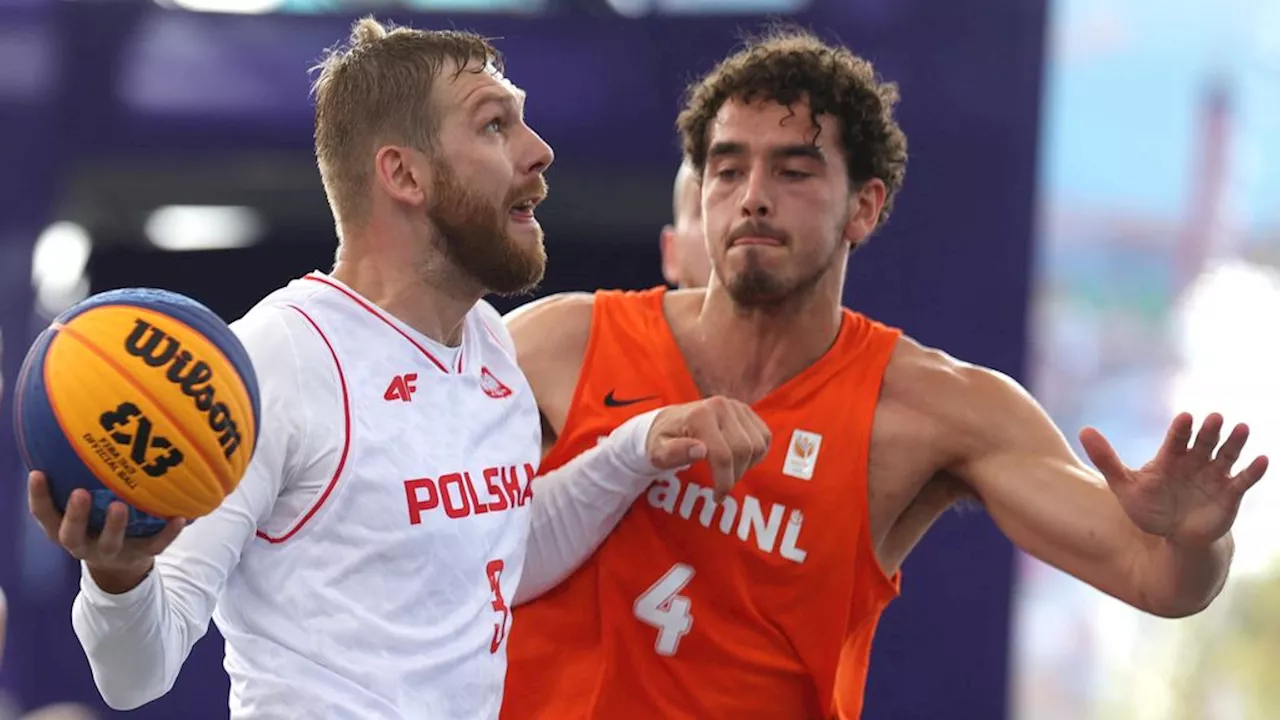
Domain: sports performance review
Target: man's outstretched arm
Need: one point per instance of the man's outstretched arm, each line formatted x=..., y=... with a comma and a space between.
x=1157, y=538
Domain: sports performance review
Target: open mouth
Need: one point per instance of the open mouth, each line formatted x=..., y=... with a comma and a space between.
x=522, y=211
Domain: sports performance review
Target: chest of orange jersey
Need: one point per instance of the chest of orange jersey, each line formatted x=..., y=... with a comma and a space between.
x=795, y=512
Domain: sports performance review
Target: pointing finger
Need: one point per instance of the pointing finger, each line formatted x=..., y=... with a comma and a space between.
x=720, y=458
x=740, y=443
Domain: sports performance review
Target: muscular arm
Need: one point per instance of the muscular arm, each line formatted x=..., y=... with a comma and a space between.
x=137, y=638
x=1048, y=501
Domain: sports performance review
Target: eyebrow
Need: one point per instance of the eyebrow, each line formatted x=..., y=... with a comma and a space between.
x=797, y=150
x=487, y=96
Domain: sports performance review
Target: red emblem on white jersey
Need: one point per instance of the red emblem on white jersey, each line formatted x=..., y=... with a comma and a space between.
x=492, y=386
x=401, y=388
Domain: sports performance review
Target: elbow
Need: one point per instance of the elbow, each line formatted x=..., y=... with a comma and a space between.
x=1184, y=599
x=1177, y=609
x=125, y=699
x=1180, y=582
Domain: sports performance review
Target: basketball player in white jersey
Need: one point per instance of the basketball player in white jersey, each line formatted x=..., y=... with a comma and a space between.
x=365, y=566
x=685, y=262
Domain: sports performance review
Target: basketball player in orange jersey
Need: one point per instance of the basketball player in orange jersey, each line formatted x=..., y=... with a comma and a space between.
x=364, y=566
x=684, y=247
x=763, y=606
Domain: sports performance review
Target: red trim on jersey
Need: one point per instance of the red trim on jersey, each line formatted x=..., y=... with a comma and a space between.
x=492, y=334
x=378, y=314
x=346, y=440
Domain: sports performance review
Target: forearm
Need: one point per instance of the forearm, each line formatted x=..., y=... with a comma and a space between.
x=135, y=641
x=1176, y=581
x=577, y=505
x=1065, y=515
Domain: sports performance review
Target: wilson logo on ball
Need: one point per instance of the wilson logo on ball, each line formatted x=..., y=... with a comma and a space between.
x=157, y=349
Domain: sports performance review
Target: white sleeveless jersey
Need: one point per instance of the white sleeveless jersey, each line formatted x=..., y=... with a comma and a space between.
x=382, y=591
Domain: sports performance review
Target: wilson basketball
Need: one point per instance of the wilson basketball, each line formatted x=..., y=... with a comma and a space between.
x=139, y=395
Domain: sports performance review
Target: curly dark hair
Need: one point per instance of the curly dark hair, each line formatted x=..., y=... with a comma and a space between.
x=788, y=65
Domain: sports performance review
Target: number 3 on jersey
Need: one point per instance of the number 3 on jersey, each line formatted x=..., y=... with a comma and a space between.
x=663, y=607
x=494, y=571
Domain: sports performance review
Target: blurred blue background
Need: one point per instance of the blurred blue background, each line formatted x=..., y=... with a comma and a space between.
x=1092, y=206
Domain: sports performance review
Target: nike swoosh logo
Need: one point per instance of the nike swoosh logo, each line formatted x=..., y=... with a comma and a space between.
x=611, y=401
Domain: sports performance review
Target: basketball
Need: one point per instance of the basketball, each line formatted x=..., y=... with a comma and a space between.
x=139, y=395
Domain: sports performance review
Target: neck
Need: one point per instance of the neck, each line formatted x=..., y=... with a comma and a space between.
x=429, y=294
x=770, y=345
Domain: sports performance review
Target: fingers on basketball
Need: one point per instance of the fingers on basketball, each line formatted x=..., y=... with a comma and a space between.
x=40, y=503
x=155, y=545
x=110, y=540
x=73, y=533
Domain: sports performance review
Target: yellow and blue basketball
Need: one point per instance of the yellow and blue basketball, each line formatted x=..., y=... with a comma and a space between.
x=139, y=395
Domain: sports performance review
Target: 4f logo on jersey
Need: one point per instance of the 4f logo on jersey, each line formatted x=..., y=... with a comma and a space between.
x=402, y=388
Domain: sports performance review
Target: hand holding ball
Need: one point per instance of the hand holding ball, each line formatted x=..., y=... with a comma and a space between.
x=142, y=396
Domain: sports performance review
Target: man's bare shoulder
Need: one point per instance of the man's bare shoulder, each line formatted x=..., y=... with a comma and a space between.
x=551, y=336
x=556, y=323
x=967, y=404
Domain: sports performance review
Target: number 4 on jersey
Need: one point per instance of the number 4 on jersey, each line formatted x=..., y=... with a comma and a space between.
x=663, y=607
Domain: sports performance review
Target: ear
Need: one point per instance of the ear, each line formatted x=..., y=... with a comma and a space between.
x=865, y=204
x=670, y=255
x=401, y=174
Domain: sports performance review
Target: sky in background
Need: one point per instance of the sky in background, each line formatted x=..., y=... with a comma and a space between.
x=1126, y=83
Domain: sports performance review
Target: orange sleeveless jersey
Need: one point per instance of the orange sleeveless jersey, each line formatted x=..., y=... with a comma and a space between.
x=762, y=607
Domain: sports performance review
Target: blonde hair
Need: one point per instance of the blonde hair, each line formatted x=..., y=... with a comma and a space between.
x=377, y=89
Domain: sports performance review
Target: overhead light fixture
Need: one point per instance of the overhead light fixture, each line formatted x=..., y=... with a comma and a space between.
x=58, y=262
x=182, y=228
x=229, y=7
x=631, y=9
x=60, y=255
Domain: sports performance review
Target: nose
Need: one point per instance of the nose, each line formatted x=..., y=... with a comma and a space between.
x=756, y=199
x=541, y=156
